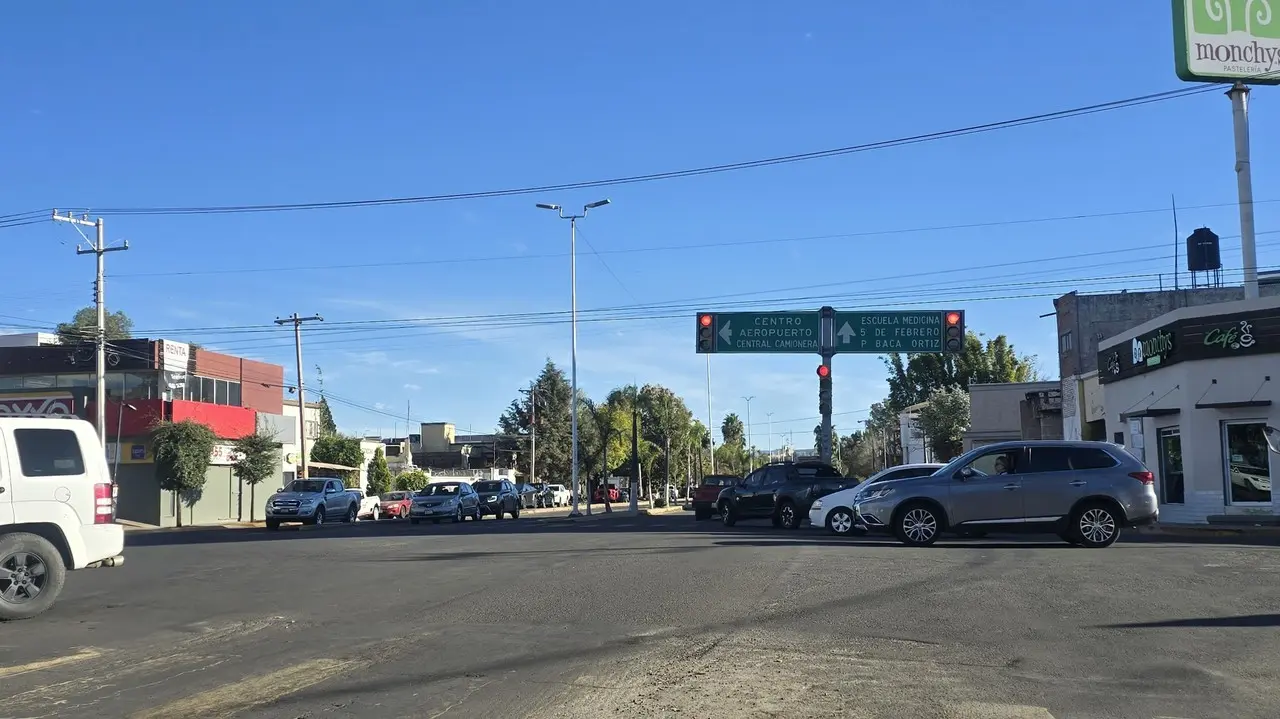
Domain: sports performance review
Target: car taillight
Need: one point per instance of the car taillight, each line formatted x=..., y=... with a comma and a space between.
x=1144, y=477
x=104, y=504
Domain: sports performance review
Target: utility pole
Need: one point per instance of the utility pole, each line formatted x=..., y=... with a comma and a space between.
x=711, y=420
x=297, y=321
x=769, y=444
x=633, y=501
x=98, y=248
x=751, y=455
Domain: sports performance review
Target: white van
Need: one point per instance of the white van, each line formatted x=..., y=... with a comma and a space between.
x=57, y=510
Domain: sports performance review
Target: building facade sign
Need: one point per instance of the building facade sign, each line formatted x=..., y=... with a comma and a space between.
x=223, y=455
x=37, y=405
x=1234, y=335
x=174, y=356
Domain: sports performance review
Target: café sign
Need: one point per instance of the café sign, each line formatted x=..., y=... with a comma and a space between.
x=1194, y=338
x=1233, y=337
x=1153, y=349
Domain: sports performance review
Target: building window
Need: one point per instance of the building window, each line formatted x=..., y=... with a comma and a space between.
x=1247, y=462
x=1066, y=342
x=39, y=381
x=233, y=394
x=1172, y=489
x=220, y=391
x=78, y=380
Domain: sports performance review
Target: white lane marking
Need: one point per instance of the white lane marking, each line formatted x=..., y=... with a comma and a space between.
x=230, y=699
x=83, y=654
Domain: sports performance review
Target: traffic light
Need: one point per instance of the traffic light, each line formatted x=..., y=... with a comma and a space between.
x=953, y=331
x=706, y=333
x=824, y=389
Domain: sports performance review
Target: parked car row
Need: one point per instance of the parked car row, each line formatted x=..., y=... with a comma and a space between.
x=1084, y=492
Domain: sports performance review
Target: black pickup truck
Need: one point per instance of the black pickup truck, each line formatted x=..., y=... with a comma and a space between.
x=781, y=492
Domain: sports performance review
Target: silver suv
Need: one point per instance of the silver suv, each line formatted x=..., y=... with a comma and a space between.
x=1085, y=492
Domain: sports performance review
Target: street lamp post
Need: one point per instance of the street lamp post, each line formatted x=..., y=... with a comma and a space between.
x=751, y=455
x=769, y=444
x=573, y=323
x=115, y=471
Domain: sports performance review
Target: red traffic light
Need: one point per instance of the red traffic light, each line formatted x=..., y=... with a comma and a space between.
x=704, y=320
x=953, y=318
x=824, y=371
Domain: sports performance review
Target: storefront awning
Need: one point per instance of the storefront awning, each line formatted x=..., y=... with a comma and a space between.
x=1150, y=412
x=1234, y=405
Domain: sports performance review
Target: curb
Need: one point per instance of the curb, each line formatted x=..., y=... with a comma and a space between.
x=1211, y=531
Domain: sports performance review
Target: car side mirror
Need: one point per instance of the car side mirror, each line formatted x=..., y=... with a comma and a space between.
x=280, y=490
x=966, y=473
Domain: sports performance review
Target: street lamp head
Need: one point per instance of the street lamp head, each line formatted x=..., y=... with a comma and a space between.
x=597, y=203
x=545, y=206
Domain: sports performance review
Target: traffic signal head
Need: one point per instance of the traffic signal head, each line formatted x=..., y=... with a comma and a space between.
x=824, y=371
x=706, y=333
x=953, y=331
x=824, y=389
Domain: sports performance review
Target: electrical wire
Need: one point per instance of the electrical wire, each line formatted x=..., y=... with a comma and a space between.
x=1134, y=101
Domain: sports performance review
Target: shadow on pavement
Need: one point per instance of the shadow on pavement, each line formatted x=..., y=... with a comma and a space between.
x=664, y=524
x=466, y=556
x=1246, y=620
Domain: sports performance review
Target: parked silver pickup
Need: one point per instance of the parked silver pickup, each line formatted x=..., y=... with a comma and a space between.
x=312, y=501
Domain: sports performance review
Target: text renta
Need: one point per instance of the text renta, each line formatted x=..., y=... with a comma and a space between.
x=777, y=333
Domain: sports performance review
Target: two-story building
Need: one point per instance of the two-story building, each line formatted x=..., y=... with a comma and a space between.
x=148, y=381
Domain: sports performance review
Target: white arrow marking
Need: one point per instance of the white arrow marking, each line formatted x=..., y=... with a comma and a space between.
x=726, y=332
x=845, y=333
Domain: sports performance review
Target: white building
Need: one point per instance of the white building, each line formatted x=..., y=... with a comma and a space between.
x=1192, y=393
x=915, y=446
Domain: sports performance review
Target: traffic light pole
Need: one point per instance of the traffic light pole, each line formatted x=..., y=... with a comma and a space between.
x=827, y=333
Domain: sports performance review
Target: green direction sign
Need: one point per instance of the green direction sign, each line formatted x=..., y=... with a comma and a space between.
x=1227, y=41
x=772, y=332
x=878, y=332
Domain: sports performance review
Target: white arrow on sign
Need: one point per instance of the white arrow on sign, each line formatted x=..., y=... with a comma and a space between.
x=846, y=334
x=726, y=332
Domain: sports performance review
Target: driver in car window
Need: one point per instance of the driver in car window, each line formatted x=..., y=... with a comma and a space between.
x=1002, y=465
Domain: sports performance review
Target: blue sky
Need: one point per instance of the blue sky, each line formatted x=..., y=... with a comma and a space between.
x=234, y=103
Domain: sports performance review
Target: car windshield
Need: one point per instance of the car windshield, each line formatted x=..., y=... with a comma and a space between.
x=817, y=471
x=443, y=489
x=306, y=485
x=718, y=481
x=488, y=486
x=394, y=496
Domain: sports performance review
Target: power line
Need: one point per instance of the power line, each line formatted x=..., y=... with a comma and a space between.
x=674, y=174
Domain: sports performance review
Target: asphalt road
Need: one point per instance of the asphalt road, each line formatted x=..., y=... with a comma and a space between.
x=649, y=617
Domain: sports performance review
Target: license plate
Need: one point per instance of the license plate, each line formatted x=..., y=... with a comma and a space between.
x=286, y=511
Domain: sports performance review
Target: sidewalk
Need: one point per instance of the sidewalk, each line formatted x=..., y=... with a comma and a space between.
x=598, y=513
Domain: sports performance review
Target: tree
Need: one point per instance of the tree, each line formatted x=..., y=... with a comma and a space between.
x=83, y=326
x=257, y=460
x=913, y=381
x=835, y=444
x=412, y=480
x=337, y=449
x=182, y=451
x=732, y=431
x=552, y=393
x=379, y=473
x=856, y=456
x=944, y=421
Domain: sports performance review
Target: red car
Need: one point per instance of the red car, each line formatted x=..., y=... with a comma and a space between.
x=704, y=497
x=613, y=494
x=395, y=504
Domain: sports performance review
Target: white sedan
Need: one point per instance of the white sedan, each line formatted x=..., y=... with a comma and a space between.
x=835, y=511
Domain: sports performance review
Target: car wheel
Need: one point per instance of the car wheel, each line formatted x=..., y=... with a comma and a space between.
x=377, y=513
x=1096, y=525
x=788, y=515
x=840, y=521
x=728, y=516
x=475, y=516
x=352, y=512
x=319, y=518
x=31, y=575
x=917, y=525
x=497, y=513
x=273, y=524
x=701, y=514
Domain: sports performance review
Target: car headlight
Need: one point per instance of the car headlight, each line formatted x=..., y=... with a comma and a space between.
x=879, y=493
x=491, y=499
x=817, y=504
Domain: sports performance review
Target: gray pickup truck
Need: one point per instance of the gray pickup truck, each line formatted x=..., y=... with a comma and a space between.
x=312, y=501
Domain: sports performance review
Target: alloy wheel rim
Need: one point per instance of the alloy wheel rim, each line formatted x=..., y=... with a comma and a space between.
x=22, y=577
x=1097, y=525
x=788, y=514
x=841, y=522
x=919, y=525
